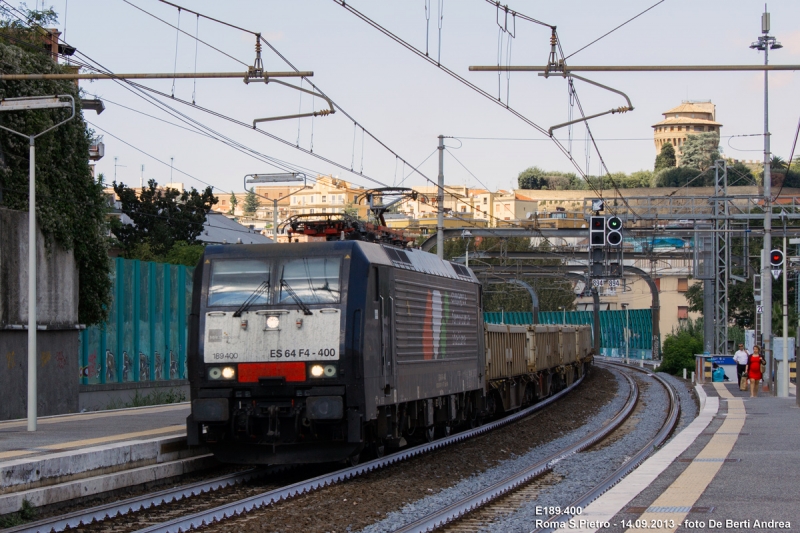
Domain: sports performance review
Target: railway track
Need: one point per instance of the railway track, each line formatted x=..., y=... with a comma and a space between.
x=504, y=497
x=106, y=517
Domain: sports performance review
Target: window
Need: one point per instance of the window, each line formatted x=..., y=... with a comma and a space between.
x=324, y=199
x=311, y=211
x=234, y=281
x=683, y=312
x=683, y=284
x=485, y=199
x=311, y=199
x=355, y=198
x=312, y=280
x=463, y=209
x=323, y=209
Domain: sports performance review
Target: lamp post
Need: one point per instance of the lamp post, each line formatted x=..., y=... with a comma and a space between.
x=25, y=104
x=627, y=333
x=467, y=234
x=765, y=43
x=275, y=178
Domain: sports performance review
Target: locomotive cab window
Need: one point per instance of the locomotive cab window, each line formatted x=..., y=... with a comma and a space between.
x=311, y=280
x=234, y=280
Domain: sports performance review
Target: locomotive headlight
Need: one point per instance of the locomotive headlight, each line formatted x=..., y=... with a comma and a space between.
x=214, y=373
x=317, y=371
x=273, y=322
x=330, y=371
x=228, y=372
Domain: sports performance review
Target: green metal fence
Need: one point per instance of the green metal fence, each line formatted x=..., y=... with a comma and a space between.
x=612, y=328
x=146, y=333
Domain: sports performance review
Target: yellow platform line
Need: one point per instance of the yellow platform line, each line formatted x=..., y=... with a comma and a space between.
x=675, y=502
x=96, y=415
x=91, y=442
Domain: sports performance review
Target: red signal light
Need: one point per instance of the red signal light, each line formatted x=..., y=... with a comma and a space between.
x=776, y=258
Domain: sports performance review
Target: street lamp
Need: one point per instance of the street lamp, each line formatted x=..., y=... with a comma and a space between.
x=627, y=333
x=467, y=234
x=25, y=104
x=275, y=178
x=764, y=44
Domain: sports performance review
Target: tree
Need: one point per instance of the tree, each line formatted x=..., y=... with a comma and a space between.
x=700, y=151
x=665, y=158
x=71, y=205
x=251, y=203
x=161, y=217
x=234, y=203
x=740, y=174
x=683, y=176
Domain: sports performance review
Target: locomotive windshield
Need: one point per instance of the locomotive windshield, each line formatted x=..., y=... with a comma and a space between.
x=312, y=280
x=235, y=280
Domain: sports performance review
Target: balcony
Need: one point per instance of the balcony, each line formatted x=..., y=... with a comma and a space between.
x=97, y=149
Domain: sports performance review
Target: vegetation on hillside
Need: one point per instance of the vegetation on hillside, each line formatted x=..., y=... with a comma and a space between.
x=71, y=207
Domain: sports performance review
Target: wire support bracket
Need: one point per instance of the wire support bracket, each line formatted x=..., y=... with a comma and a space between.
x=266, y=79
x=622, y=109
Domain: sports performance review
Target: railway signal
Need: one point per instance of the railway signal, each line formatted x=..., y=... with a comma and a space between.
x=614, y=231
x=597, y=231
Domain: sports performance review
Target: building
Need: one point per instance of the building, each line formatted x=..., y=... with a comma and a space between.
x=513, y=207
x=689, y=118
x=329, y=195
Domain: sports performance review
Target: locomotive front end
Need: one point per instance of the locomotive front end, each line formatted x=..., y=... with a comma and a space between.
x=269, y=384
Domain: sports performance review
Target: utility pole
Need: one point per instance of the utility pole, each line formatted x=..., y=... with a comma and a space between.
x=141, y=180
x=27, y=104
x=765, y=43
x=171, y=159
x=440, y=202
x=783, y=384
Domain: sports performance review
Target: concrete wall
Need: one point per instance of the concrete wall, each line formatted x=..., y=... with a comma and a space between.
x=56, y=277
x=57, y=302
x=56, y=375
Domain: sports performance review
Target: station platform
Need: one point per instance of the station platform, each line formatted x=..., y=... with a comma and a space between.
x=734, y=468
x=84, y=454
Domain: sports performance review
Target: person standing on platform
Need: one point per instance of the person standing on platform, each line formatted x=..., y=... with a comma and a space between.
x=741, y=357
x=754, y=371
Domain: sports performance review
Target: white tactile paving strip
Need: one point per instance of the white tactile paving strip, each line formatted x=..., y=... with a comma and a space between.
x=612, y=502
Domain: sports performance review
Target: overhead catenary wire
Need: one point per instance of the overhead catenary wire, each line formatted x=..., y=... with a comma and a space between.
x=180, y=30
x=613, y=30
x=469, y=84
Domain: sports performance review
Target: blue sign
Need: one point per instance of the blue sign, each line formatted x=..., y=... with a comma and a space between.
x=723, y=360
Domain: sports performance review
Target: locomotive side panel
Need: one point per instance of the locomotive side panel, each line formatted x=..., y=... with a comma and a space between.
x=438, y=342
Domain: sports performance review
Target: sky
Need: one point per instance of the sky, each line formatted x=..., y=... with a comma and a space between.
x=406, y=102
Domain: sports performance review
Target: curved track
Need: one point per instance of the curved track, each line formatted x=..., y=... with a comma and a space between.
x=615, y=477
x=491, y=495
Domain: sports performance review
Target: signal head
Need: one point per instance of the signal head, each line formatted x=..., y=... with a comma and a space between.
x=614, y=223
x=776, y=258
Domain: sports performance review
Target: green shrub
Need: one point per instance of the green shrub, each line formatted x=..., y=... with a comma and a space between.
x=679, y=351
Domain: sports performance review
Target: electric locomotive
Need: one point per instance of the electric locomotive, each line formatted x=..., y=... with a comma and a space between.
x=312, y=352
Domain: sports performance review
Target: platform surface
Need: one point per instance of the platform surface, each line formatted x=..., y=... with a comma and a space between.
x=736, y=467
x=83, y=430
